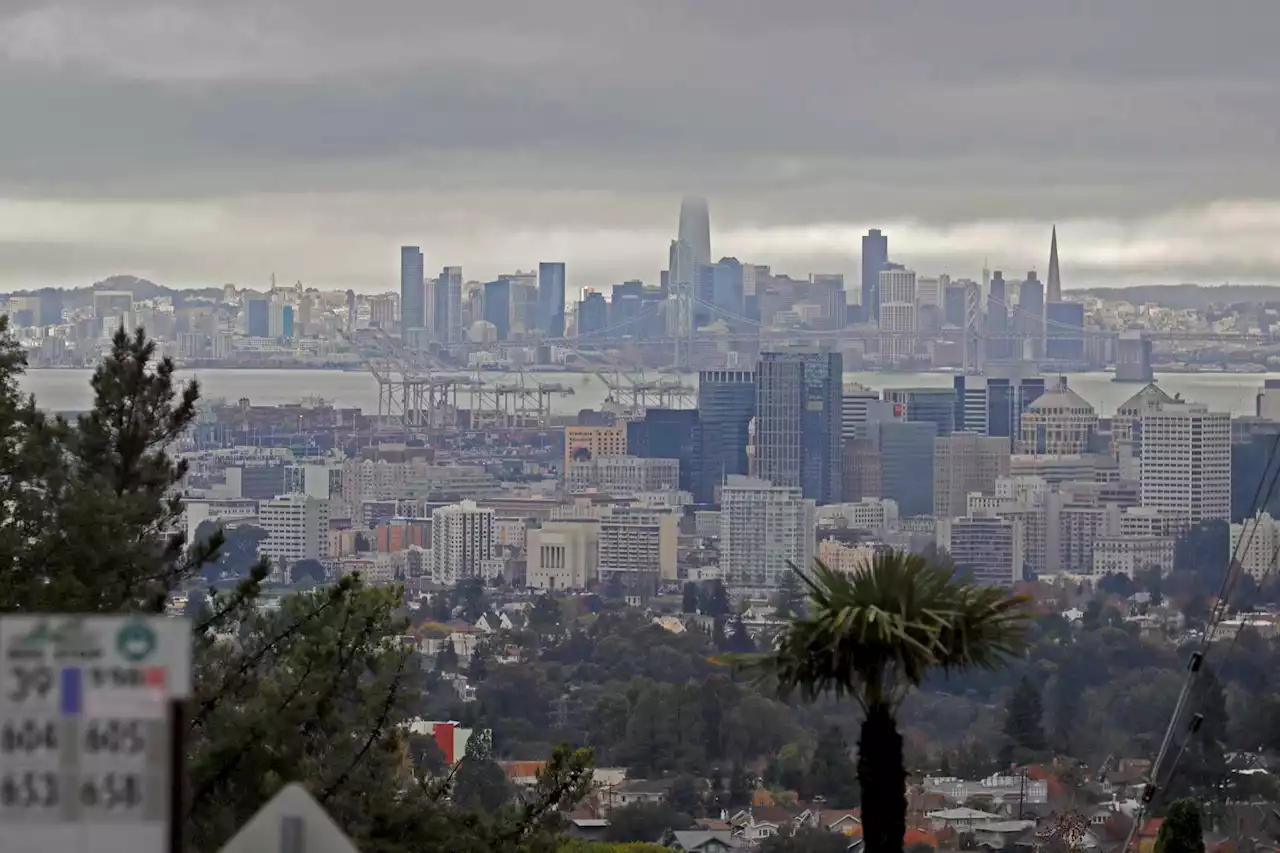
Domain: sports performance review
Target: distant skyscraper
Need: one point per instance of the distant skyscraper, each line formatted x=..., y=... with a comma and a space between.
x=993, y=405
x=875, y=254
x=797, y=438
x=412, y=290
x=497, y=306
x=257, y=318
x=695, y=229
x=1054, y=291
x=998, y=342
x=726, y=405
x=1029, y=321
x=593, y=314
x=447, y=316
x=551, y=299
x=897, y=316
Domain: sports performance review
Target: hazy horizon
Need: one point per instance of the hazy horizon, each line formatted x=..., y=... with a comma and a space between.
x=197, y=146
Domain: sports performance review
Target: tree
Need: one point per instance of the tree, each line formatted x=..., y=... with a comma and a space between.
x=478, y=668
x=1181, y=831
x=312, y=570
x=471, y=597
x=806, y=839
x=1151, y=581
x=715, y=599
x=739, y=641
x=788, y=602
x=1024, y=717
x=447, y=657
x=832, y=774
x=689, y=602
x=480, y=784
x=644, y=822
x=545, y=616
x=319, y=689
x=874, y=637
x=1114, y=583
x=686, y=795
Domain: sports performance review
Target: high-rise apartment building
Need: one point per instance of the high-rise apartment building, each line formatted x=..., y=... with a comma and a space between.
x=637, y=551
x=462, y=542
x=988, y=548
x=1186, y=462
x=966, y=462
x=764, y=529
x=297, y=528
x=412, y=290
x=551, y=299
x=798, y=411
x=897, y=314
x=1059, y=422
x=726, y=405
x=1255, y=543
x=875, y=254
x=446, y=314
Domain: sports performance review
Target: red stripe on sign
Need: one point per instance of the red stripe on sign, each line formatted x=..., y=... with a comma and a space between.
x=154, y=676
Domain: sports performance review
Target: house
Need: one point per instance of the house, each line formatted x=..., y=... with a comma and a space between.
x=523, y=773
x=960, y=818
x=671, y=624
x=588, y=828
x=703, y=841
x=760, y=822
x=1001, y=834
x=652, y=791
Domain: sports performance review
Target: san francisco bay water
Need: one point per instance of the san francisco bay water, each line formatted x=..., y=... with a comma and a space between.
x=68, y=390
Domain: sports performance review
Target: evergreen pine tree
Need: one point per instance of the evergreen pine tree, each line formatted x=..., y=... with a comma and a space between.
x=1024, y=715
x=1181, y=831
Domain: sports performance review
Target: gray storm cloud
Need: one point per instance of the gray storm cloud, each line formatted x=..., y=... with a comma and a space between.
x=201, y=143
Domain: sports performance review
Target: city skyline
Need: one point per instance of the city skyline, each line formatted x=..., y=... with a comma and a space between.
x=194, y=146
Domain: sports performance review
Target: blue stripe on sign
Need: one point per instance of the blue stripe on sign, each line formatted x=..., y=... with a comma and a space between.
x=72, y=693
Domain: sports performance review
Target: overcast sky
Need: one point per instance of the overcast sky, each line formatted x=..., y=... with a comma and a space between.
x=195, y=142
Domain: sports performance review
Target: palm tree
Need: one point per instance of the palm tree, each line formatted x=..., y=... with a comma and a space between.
x=874, y=636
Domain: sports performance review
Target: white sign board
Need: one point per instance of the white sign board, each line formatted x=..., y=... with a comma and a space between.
x=291, y=822
x=85, y=733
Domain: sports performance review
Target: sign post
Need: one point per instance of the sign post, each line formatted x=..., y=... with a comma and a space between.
x=87, y=741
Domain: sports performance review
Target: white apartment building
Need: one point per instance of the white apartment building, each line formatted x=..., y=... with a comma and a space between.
x=1257, y=540
x=563, y=554
x=375, y=480
x=637, y=550
x=315, y=480
x=1186, y=462
x=622, y=475
x=763, y=530
x=988, y=548
x=1129, y=555
x=462, y=542
x=865, y=514
x=897, y=315
x=297, y=528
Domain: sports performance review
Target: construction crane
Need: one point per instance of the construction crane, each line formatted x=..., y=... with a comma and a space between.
x=630, y=392
x=419, y=391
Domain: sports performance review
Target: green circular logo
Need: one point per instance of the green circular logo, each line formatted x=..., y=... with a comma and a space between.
x=135, y=641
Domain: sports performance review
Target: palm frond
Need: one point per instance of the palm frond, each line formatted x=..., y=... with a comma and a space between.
x=882, y=629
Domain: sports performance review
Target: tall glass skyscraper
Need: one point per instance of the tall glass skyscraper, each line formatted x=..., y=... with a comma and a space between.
x=412, y=290
x=447, y=306
x=797, y=438
x=726, y=405
x=875, y=254
x=551, y=299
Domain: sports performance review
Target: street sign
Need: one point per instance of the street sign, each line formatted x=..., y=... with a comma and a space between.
x=85, y=736
x=291, y=822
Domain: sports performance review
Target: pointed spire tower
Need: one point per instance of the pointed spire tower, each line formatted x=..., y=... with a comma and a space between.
x=1053, y=288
